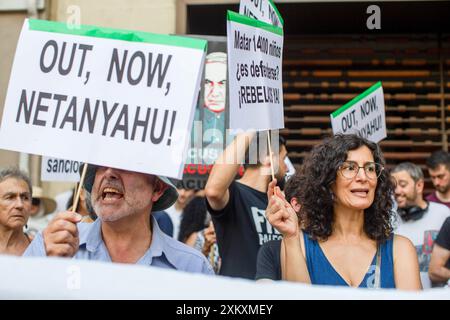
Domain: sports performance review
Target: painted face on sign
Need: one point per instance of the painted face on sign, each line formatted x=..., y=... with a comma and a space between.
x=215, y=81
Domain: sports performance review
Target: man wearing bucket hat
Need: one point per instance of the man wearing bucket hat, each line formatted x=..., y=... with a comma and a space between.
x=123, y=232
x=40, y=212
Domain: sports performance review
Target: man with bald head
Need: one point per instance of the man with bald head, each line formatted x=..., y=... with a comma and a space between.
x=123, y=232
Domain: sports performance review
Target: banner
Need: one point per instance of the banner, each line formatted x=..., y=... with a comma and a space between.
x=255, y=51
x=122, y=99
x=263, y=10
x=53, y=169
x=63, y=278
x=365, y=114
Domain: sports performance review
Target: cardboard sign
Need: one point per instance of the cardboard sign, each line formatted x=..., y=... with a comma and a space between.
x=365, y=114
x=263, y=10
x=53, y=169
x=255, y=51
x=117, y=98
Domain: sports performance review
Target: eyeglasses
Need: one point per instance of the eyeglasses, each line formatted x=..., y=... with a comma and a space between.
x=350, y=169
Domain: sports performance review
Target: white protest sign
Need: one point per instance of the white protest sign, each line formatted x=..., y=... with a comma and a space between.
x=122, y=99
x=255, y=51
x=263, y=10
x=53, y=169
x=364, y=115
x=56, y=278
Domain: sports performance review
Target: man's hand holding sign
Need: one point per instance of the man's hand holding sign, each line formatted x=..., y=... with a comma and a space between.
x=61, y=235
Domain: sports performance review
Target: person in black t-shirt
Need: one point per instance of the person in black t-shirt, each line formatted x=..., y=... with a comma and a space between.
x=268, y=263
x=238, y=207
x=439, y=268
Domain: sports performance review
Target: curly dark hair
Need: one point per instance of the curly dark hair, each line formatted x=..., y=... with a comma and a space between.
x=292, y=187
x=316, y=177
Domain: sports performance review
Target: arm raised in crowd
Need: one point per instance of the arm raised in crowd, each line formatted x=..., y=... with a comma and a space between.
x=437, y=270
x=225, y=169
x=283, y=217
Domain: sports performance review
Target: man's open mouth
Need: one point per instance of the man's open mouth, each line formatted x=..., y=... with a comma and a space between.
x=110, y=193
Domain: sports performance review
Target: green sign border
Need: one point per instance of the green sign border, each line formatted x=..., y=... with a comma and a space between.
x=118, y=34
x=236, y=17
x=356, y=99
x=276, y=11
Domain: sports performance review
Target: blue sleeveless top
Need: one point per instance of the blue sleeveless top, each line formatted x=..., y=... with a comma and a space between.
x=322, y=272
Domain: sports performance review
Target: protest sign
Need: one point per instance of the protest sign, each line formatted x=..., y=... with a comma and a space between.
x=254, y=66
x=209, y=134
x=53, y=169
x=123, y=99
x=263, y=10
x=365, y=114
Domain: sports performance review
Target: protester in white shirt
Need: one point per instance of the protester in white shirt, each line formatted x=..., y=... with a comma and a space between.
x=175, y=211
x=418, y=220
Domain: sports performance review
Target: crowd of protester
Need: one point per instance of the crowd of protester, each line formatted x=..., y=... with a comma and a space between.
x=343, y=219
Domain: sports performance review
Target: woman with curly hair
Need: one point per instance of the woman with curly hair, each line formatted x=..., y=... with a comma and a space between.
x=342, y=232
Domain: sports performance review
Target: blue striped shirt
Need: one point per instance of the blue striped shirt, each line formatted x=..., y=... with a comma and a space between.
x=164, y=252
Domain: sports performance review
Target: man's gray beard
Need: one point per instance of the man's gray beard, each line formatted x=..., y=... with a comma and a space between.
x=411, y=201
x=112, y=217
